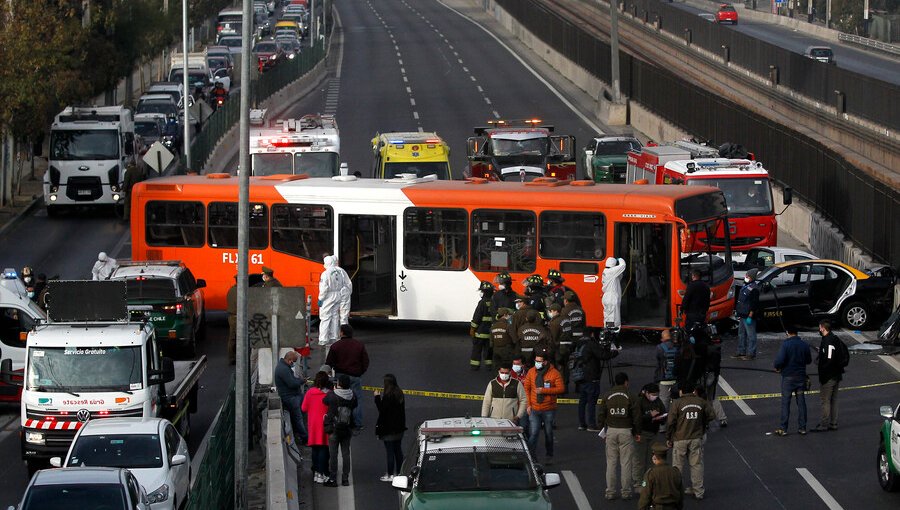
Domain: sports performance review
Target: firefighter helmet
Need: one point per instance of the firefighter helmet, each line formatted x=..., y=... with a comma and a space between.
x=503, y=278
x=486, y=285
x=555, y=276
x=534, y=280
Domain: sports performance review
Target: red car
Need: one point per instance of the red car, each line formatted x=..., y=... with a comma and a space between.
x=268, y=54
x=726, y=14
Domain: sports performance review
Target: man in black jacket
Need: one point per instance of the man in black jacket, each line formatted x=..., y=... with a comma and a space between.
x=695, y=303
x=348, y=356
x=290, y=390
x=340, y=433
x=833, y=357
x=589, y=387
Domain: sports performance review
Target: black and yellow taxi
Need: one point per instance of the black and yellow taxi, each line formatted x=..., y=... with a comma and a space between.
x=809, y=290
x=166, y=294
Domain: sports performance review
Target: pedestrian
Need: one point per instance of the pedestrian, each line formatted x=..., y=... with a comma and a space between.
x=519, y=371
x=504, y=397
x=231, y=307
x=290, y=390
x=40, y=287
x=612, y=292
x=556, y=291
x=555, y=331
x=533, y=336
x=689, y=417
x=135, y=172
x=791, y=363
x=695, y=303
x=667, y=353
x=518, y=318
x=502, y=347
x=542, y=385
x=661, y=488
x=339, y=425
x=28, y=281
x=711, y=379
x=315, y=408
x=833, y=357
x=747, y=311
x=268, y=278
x=348, y=356
x=618, y=414
x=391, y=424
x=590, y=357
x=104, y=266
x=573, y=317
x=480, y=329
x=504, y=297
x=332, y=291
x=652, y=415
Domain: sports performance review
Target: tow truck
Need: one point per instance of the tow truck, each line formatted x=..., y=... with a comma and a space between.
x=744, y=181
x=520, y=150
x=309, y=145
x=90, y=361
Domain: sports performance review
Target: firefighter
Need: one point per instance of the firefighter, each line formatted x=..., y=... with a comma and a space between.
x=481, y=328
x=504, y=297
x=536, y=293
x=573, y=324
x=556, y=291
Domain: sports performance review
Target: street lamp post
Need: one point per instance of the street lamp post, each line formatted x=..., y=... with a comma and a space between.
x=187, y=91
x=614, y=49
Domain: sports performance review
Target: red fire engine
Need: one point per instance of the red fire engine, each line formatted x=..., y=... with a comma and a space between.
x=520, y=150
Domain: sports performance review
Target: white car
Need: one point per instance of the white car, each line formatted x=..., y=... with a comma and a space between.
x=64, y=489
x=150, y=448
x=763, y=258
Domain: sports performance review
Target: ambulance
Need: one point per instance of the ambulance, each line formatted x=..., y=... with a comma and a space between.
x=309, y=145
x=413, y=153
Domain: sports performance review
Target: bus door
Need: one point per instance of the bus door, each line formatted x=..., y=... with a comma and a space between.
x=367, y=248
x=646, y=289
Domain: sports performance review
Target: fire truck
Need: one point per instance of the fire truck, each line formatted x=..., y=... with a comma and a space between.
x=309, y=145
x=520, y=150
x=745, y=182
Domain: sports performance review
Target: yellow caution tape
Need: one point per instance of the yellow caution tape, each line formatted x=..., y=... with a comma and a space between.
x=778, y=395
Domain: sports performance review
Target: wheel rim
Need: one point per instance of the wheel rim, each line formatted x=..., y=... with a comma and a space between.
x=883, y=468
x=856, y=316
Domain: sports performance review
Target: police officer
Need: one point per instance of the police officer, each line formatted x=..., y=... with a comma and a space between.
x=661, y=488
x=618, y=412
x=573, y=325
x=480, y=329
x=533, y=337
x=688, y=419
x=555, y=289
x=695, y=303
x=502, y=346
x=518, y=319
x=561, y=343
x=269, y=279
x=536, y=294
x=503, y=297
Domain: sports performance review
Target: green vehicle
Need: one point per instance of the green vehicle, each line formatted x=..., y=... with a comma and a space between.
x=606, y=157
x=166, y=294
x=472, y=464
x=889, y=450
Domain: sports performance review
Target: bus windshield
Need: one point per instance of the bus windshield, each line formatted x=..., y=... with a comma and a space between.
x=420, y=169
x=77, y=145
x=745, y=197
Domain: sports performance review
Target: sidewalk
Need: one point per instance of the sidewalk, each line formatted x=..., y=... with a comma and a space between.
x=28, y=195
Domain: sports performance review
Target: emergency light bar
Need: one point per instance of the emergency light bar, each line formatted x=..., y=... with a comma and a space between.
x=740, y=164
x=9, y=274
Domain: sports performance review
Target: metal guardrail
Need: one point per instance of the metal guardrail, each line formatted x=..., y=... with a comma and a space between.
x=871, y=43
x=214, y=481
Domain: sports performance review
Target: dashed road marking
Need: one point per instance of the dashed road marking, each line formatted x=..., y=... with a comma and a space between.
x=820, y=490
x=578, y=494
x=731, y=393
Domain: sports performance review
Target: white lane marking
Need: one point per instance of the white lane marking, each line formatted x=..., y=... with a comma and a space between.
x=761, y=482
x=540, y=78
x=578, y=494
x=346, y=497
x=409, y=90
x=830, y=502
x=421, y=130
x=459, y=60
x=405, y=79
x=486, y=100
x=496, y=114
x=402, y=70
x=465, y=69
x=412, y=102
x=731, y=393
x=472, y=78
x=416, y=115
x=480, y=89
x=400, y=61
x=450, y=46
x=399, y=55
x=891, y=361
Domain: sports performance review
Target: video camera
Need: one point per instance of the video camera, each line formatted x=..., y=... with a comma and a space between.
x=608, y=338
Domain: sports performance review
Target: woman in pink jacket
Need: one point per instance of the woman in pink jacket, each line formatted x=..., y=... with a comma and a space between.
x=315, y=425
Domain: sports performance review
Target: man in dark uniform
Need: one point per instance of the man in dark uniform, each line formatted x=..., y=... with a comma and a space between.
x=534, y=337
x=695, y=303
x=518, y=320
x=661, y=487
x=688, y=419
x=556, y=291
x=503, y=297
x=535, y=292
x=502, y=346
x=134, y=173
x=619, y=414
x=269, y=279
x=556, y=328
x=480, y=329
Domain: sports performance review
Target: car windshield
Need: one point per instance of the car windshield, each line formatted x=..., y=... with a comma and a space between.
x=217, y=62
x=265, y=48
x=439, y=168
x=164, y=107
x=271, y=163
x=231, y=42
x=75, y=145
x=616, y=147
x=133, y=451
x=478, y=470
x=713, y=266
x=726, y=8
x=150, y=289
x=195, y=78
x=147, y=128
x=820, y=52
x=744, y=197
x=74, y=369
x=534, y=146
x=83, y=496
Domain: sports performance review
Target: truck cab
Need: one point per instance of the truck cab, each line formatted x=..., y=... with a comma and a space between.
x=416, y=153
x=309, y=145
x=18, y=316
x=520, y=150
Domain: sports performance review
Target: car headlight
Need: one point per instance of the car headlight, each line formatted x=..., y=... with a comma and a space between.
x=159, y=495
x=291, y=56
x=34, y=438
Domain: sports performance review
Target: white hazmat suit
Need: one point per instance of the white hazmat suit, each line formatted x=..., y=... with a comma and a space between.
x=335, y=290
x=104, y=266
x=612, y=291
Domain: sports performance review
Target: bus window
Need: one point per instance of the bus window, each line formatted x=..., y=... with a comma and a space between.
x=174, y=224
x=572, y=235
x=435, y=238
x=223, y=228
x=503, y=240
x=306, y=231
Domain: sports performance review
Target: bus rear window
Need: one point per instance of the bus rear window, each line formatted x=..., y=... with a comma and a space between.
x=174, y=223
x=503, y=241
x=572, y=235
x=701, y=207
x=306, y=231
x=435, y=238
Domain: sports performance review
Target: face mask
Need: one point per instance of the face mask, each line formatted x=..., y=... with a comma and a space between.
x=747, y=280
x=553, y=315
x=652, y=398
x=504, y=377
x=517, y=369
x=31, y=295
x=502, y=287
x=27, y=279
x=538, y=365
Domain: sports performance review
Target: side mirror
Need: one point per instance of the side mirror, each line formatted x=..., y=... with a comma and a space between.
x=201, y=283
x=886, y=412
x=56, y=461
x=788, y=197
x=6, y=373
x=401, y=483
x=178, y=460
x=167, y=373
x=551, y=480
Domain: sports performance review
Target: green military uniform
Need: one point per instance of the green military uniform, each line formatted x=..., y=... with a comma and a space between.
x=502, y=345
x=481, y=334
x=618, y=412
x=686, y=425
x=533, y=336
x=272, y=281
x=661, y=488
x=518, y=320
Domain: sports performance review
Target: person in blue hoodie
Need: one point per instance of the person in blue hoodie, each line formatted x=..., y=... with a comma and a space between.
x=791, y=363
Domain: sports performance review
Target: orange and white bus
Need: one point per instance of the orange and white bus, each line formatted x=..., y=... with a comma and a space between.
x=416, y=248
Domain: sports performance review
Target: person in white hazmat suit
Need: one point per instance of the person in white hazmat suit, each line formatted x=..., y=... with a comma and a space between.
x=104, y=266
x=612, y=291
x=335, y=290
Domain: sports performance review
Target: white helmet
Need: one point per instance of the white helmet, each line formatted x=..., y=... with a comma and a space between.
x=611, y=262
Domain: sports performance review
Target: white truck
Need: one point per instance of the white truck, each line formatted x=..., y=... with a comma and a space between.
x=198, y=68
x=18, y=316
x=90, y=361
x=309, y=145
x=90, y=147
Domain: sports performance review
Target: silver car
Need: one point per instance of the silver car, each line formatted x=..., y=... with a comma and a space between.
x=85, y=489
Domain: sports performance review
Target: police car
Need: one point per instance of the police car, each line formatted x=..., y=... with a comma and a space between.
x=889, y=450
x=472, y=463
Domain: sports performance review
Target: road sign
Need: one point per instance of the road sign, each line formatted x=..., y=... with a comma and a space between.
x=158, y=157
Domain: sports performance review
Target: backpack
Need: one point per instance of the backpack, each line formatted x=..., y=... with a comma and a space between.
x=576, y=370
x=340, y=421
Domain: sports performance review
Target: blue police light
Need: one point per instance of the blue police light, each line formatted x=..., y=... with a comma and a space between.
x=10, y=274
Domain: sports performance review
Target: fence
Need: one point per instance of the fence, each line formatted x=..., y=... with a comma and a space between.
x=862, y=207
x=214, y=481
